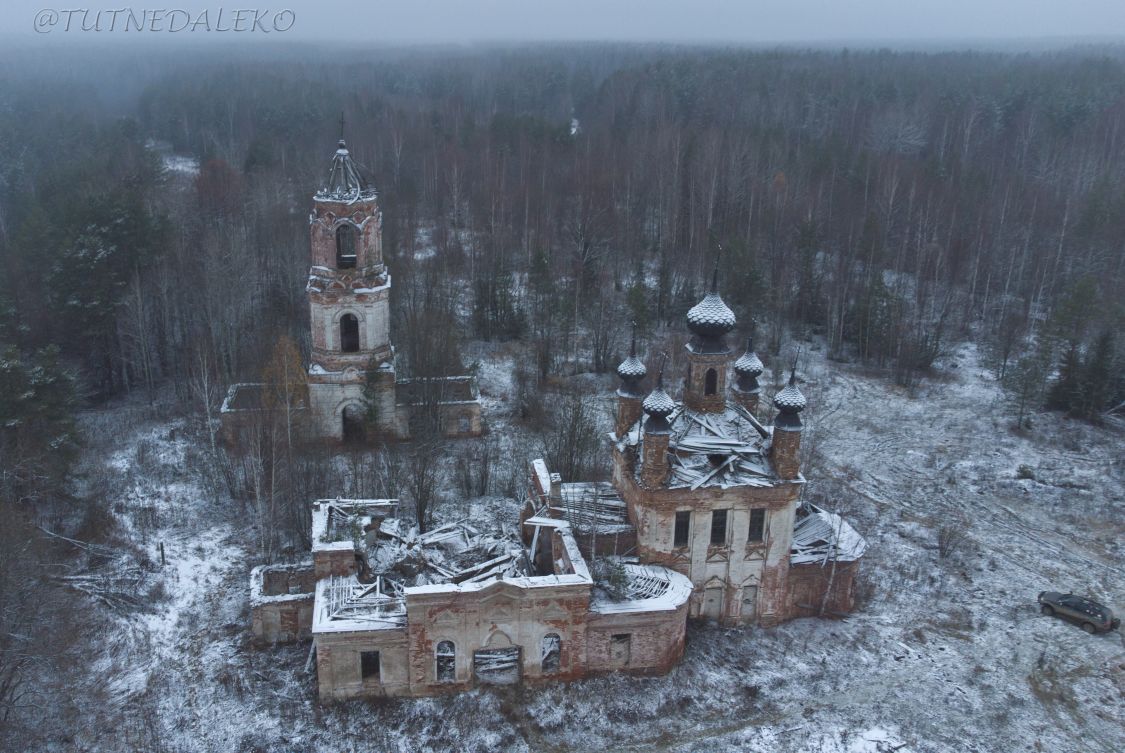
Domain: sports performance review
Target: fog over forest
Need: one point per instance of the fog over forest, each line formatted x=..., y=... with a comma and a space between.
x=930, y=236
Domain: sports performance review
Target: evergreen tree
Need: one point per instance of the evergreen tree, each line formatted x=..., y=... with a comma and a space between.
x=1065, y=392
x=1025, y=380
x=1097, y=379
x=38, y=437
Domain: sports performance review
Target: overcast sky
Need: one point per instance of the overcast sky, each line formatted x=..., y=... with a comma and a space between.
x=763, y=21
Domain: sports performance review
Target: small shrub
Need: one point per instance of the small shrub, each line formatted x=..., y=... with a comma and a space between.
x=1025, y=472
x=951, y=537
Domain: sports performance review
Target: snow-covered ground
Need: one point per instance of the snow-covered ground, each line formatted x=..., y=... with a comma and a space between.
x=944, y=654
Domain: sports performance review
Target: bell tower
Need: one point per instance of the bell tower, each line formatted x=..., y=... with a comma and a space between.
x=708, y=356
x=349, y=307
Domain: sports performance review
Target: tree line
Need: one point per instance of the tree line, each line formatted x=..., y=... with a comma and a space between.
x=888, y=202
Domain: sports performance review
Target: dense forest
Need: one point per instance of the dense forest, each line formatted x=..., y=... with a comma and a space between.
x=885, y=205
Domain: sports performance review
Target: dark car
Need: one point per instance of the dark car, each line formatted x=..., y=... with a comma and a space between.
x=1092, y=616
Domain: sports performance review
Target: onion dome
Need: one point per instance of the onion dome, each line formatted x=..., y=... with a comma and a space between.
x=789, y=403
x=632, y=370
x=345, y=182
x=658, y=405
x=710, y=319
x=748, y=367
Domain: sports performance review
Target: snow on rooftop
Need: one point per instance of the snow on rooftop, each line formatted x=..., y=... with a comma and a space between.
x=344, y=604
x=820, y=536
x=650, y=588
x=716, y=449
x=593, y=505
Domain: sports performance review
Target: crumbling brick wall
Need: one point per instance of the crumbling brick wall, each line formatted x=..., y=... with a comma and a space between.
x=281, y=602
x=807, y=586
x=656, y=641
x=338, y=664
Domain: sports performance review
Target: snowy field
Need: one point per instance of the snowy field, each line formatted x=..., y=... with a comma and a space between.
x=945, y=653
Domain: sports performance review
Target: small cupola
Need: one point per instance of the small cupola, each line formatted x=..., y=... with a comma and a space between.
x=632, y=370
x=658, y=406
x=747, y=369
x=789, y=403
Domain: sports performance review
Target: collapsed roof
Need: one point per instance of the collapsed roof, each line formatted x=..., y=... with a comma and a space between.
x=820, y=537
x=593, y=506
x=714, y=449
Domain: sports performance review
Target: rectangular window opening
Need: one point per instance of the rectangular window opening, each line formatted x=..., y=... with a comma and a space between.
x=369, y=665
x=620, y=648
x=718, y=527
x=683, y=523
x=757, y=526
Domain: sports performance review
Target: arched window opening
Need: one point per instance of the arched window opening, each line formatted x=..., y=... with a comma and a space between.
x=349, y=333
x=345, y=246
x=446, y=656
x=354, y=426
x=711, y=382
x=550, y=652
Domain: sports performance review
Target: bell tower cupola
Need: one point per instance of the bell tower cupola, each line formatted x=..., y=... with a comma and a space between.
x=710, y=320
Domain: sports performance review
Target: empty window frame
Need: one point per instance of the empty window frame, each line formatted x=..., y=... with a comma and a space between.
x=620, y=649
x=446, y=658
x=550, y=652
x=683, y=528
x=369, y=665
x=349, y=333
x=345, y=247
x=718, y=527
x=711, y=382
x=757, y=526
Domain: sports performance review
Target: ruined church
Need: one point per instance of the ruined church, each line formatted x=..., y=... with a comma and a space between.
x=702, y=520
x=352, y=390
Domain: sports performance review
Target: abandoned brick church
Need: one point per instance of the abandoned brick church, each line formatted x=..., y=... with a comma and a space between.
x=702, y=519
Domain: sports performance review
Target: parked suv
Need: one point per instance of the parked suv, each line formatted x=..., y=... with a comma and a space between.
x=1092, y=616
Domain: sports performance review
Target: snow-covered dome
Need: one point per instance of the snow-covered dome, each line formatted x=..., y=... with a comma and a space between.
x=711, y=317
x=749, y=364
x=659, y=404
x=632, y=368
x=790, y=399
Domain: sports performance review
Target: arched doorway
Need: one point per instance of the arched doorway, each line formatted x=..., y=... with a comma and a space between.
x=354, y=424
